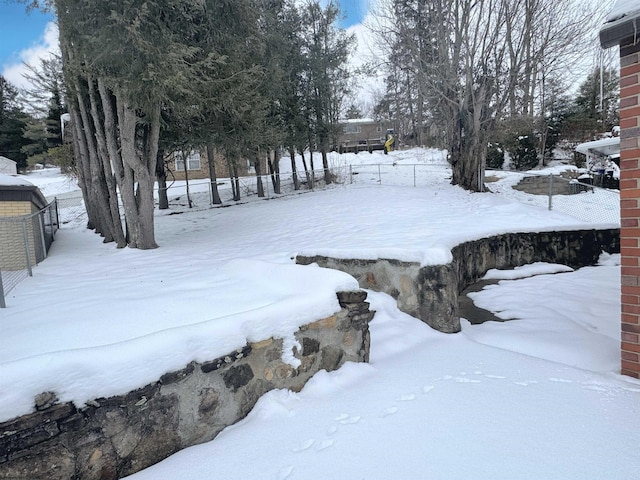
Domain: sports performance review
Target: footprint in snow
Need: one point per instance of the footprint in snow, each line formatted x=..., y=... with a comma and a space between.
x=325, y=444
x=526, y=383
x=407, y=398
x=303, y=446
x=348, y=419
x=628, y=389
x=332, y=429
x=389, y=411
x=497, y=377
x=559, y=380
x=596, y=388
x=427, y=388
x=285, y=473
x=466, y=380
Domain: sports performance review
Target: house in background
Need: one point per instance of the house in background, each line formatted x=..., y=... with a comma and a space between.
x=8, y=166
x=623, y=29
x=197, y=165
x=360, y=135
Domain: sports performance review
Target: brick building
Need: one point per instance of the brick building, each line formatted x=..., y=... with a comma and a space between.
x=623, y=29
x=197, y=165
x=21, y=225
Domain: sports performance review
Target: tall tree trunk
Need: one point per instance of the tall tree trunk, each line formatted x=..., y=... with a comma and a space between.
x=233, y=176
x=161, y=178
x=306, y=171
x=98, y=182
x=274, y=171
x=294, y=169
x=258, y=166
x=104, y=136
x=83, y=167
x=236, y=180
x=215, y=195
x=139, y=173
x=186, y=178
x=325, y=165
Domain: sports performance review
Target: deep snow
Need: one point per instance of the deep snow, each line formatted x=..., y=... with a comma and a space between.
x=536, y=397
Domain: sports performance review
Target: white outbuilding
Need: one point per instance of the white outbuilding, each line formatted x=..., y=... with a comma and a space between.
x=8, y=166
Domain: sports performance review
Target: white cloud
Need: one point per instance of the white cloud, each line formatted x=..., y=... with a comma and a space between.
x=43, y=48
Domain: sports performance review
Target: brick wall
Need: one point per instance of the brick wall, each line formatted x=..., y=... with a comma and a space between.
x=12, y=241
x=630, y=206
x=222, y=169
x=15, y=209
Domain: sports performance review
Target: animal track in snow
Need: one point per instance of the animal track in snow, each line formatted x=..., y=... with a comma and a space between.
x=497, y=377
x=427, y=388
x=332, y=429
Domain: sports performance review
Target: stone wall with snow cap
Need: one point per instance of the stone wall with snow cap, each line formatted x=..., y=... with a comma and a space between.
x=112, y=436
x=430, y=292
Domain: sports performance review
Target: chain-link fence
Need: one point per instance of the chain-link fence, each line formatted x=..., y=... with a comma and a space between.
x=251, y=187
x=24, y=242
x=584, y=198
x=414, y=175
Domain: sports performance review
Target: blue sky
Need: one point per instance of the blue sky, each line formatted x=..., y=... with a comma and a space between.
x=21, y=30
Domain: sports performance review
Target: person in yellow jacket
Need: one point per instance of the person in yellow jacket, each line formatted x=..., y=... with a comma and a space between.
x=389, y=142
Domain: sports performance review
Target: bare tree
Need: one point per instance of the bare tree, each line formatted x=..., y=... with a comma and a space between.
x=474, y=61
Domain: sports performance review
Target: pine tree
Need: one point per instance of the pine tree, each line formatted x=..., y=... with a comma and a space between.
x=13, y=121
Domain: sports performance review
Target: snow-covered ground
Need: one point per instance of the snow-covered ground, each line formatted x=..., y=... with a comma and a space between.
x=536, y=397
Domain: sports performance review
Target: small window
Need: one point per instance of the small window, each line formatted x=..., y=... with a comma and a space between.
x=378, y=129
x=193, y=160
x=350, y=128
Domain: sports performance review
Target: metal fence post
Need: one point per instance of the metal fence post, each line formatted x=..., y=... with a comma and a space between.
x=2, y=302
x=550, y=191
x=42, y=238
x=26, y=246
x=52, y=205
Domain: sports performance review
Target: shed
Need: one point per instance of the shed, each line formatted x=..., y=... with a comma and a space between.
x=8, y=166
x=27, y=224
x=599, y=153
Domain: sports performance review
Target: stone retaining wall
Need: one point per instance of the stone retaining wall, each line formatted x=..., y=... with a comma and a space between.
x=430, y=292
x=114, y=437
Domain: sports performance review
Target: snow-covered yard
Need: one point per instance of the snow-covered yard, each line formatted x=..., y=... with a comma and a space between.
x=537, y=397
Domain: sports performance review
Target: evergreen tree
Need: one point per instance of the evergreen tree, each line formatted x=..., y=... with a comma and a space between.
x=326, y=48
x=13, y=121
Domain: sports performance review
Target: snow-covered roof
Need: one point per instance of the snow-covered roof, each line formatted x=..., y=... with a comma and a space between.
x=358, y=120
x=623, y=8
x=606, y=146
x=17, y=189
x=622, y=23
x=11, y=181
